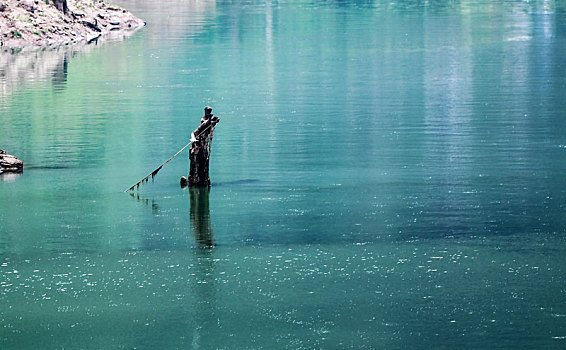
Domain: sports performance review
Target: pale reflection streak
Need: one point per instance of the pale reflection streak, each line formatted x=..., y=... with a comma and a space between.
x=447, y=96
x=270, y=66
x=515, y=77
x=447, y=93
x=17, y=69
x=9, y=177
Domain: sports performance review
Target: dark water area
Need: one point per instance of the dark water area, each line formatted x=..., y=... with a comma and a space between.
x=386, y=174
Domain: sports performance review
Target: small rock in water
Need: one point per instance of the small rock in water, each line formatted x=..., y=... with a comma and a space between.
x=9, y=163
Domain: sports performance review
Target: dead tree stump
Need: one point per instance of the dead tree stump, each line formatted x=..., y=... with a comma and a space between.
x=61, y=5
x=199, y=153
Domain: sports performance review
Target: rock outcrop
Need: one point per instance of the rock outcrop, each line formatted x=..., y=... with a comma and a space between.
x=44, y=23
x=10, y=164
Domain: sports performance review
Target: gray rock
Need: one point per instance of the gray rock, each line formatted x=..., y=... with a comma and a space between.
x=9, y=163
x=30, y=24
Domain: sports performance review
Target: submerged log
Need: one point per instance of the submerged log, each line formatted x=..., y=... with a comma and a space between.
x=199, y=153
x=9, y=163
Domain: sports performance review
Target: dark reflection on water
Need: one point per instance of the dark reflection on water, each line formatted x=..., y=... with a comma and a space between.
x=59, y=79
x=150, y=202
x=200, y=216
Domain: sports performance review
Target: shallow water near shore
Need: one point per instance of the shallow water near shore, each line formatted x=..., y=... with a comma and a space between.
x=385, y=175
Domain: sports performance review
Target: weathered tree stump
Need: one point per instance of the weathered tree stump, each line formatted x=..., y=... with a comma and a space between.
x=10, y=164
x=61, y=5
x=199, y=153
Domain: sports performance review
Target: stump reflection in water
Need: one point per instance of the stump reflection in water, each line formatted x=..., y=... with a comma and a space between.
x=200, y=216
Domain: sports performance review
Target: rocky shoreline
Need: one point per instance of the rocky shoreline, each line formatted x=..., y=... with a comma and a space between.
x=52, y=23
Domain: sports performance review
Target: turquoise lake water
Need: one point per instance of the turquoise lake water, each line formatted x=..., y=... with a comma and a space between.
x=386, y=174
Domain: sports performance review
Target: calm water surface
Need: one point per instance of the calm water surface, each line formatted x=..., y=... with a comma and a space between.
x=386, y=174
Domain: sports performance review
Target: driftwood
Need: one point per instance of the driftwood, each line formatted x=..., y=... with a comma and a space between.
x=10, y=164
x=199, y=153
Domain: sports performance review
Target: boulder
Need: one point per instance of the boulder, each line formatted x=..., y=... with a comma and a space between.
x=9, y=163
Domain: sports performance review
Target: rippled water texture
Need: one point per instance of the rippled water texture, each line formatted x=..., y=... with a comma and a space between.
x=386, y=174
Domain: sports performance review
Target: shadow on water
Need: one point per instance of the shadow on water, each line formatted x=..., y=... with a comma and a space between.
x=47, y=167
x=200, y=216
